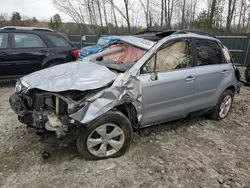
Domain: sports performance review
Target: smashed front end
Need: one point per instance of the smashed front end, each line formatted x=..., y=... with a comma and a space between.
x=61, y=101
x=46, y=104
x=49, y=113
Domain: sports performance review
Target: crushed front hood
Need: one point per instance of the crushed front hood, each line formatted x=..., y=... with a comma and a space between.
x=71, y=76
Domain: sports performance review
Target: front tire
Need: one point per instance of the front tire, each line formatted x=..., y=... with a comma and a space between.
x=223, y=106
x=107, y=136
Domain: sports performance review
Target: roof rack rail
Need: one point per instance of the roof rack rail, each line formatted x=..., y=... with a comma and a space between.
x=26, y=28
x=185, y=31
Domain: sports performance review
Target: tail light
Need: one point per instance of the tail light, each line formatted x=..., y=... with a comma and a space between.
x=75, y=53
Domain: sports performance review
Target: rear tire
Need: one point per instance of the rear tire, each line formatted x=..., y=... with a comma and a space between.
x=223, y=106
x=99, y=140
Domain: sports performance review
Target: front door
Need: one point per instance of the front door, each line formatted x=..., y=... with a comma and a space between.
x=5, y=55
x=170, y=94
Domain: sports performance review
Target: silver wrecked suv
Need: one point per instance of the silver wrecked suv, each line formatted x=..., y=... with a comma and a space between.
x=130, y=84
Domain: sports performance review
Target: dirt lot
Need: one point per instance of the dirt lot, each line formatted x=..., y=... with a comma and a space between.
x=187, y=153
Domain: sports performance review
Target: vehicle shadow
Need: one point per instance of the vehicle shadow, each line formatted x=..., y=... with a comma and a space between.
x=61, y=154
x=70, y=152
x=170, y=126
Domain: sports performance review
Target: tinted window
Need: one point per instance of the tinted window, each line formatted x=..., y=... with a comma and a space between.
x=58, y=41
x=4, y=40
x=208, y=52
x=173, y=56
x=25, y=40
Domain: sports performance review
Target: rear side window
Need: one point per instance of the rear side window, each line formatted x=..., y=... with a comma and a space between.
x=208, y=52
x=4, y=40
x=26, y=40
x=58, y=41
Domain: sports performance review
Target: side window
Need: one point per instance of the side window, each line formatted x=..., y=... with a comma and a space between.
x=208, y=52
x=4, y=40
x=58, y=41
x=26, y=40
x=171, y=57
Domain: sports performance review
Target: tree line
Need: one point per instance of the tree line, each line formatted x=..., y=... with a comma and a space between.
x=108, y=16
x=130, y=16
x=16, y=19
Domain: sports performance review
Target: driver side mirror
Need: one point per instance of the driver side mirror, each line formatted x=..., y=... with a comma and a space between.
x=153, y=76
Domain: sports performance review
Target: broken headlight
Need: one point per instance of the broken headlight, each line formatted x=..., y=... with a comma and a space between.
x=18, y=87
x=21, y=86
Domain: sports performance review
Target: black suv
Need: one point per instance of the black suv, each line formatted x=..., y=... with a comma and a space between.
x=24, y=50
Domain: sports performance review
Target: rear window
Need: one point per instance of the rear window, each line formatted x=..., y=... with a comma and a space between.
x=208, y=52
x=58, y=41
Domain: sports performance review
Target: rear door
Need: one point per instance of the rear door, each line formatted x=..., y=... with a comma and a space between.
x=28, y=52
x=5, y=54
x=211, y=71
x=61, y=46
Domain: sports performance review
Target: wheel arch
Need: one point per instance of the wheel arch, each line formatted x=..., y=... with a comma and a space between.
x=47, y=61
x=129, y=110
x=232, y=88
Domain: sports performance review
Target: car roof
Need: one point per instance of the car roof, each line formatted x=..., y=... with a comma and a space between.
x=194, y=35
x=158, y=35
x=26, y=28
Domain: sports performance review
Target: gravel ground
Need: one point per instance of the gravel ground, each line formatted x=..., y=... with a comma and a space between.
x=186, y=153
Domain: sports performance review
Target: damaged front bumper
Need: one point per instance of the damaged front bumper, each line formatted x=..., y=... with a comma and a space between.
x=18, y=106
x=53, y=129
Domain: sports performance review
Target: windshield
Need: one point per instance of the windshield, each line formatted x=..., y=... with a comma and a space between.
x=120, y=56
x=128, y=53
x=102, y=42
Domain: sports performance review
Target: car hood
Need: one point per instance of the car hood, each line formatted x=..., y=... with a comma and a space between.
x=79, y=75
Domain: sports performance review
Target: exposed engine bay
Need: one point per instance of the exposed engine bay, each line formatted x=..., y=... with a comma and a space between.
x=49, y=112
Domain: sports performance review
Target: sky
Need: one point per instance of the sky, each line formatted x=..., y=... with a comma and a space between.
x=41, y=9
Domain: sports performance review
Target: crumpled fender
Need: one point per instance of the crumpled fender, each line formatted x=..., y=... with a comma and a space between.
x=126, y=87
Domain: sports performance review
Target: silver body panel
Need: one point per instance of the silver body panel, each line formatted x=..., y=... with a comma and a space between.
x=79, y=75
x=171, y=96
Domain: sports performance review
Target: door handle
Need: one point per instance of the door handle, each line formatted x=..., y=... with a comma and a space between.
x=190, y=79
x=224, y=71
x=43, y=51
